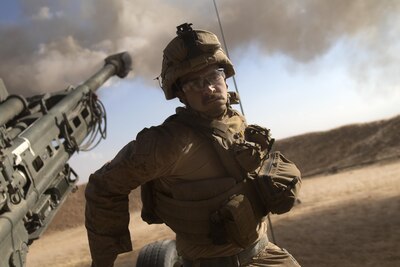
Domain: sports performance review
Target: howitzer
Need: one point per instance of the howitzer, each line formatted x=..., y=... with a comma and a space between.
x=38, y=135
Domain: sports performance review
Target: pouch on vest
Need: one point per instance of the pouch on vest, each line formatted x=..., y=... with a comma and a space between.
x=260, y=136
x=240, y=223
x=279, y=185
x=247, y=155
x=251, y=151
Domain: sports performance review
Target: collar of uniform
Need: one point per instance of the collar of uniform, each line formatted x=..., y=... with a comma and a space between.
x=223, y=127
x=192, y=117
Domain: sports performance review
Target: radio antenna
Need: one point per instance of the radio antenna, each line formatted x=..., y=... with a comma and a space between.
x=227, y=53
x=240, y=102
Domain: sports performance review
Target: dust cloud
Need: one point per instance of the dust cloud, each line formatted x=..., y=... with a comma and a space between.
x=57, y=43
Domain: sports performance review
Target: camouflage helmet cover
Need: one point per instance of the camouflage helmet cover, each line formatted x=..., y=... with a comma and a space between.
x=180, y=58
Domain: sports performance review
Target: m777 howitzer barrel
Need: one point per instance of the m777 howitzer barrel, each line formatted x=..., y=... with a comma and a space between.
x=118, y=64
x=10, y=108
x=34, y=167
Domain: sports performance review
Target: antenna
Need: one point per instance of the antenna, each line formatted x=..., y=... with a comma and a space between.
x=240, y=102
x=227, y=53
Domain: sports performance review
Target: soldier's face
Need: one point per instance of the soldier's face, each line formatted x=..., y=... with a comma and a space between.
x=205, y=91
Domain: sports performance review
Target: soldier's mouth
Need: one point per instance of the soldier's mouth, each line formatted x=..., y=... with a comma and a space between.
x=213, y=98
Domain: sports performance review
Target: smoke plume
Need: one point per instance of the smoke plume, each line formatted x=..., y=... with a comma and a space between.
x=57, y=43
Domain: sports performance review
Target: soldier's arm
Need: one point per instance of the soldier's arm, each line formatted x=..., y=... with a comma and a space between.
x=107, y=209
x=107, y=203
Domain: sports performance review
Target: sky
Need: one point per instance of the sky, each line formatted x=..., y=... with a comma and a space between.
x=301, y=66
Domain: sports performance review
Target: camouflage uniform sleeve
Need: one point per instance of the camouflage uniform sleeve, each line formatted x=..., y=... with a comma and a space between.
x=107, y=203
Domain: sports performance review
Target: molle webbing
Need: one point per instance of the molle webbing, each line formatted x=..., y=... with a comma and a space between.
x=191, y=219
x=220, y=136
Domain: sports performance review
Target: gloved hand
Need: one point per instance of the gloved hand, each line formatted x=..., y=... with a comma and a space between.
x=105, y=249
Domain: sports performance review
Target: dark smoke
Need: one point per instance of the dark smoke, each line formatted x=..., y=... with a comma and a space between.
x=62, y=42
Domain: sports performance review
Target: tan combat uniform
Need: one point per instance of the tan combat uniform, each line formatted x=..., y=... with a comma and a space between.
x=174, y=156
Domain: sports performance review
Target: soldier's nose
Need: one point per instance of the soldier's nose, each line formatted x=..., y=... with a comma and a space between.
x=210, y=89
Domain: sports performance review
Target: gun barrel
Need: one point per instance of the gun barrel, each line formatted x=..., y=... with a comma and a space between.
x=35, y=178
x=10, y=108
x=118, y=64
x=37, y=136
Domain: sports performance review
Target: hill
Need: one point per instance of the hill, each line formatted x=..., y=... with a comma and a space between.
x=343, y=147
x=314, y=153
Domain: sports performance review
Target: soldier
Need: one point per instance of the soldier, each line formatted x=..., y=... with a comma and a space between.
x=204, y=172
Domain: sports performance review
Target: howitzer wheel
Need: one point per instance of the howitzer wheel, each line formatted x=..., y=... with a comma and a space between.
x=159, y=254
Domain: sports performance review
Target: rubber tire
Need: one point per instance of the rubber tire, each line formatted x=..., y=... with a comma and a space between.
x=159, y=254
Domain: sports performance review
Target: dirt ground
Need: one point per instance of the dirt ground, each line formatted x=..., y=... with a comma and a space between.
x=348, y=219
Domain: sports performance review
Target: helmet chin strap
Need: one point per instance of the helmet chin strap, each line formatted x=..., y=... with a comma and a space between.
x=206, y=115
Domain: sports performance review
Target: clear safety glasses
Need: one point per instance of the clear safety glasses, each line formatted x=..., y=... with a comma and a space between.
x=199, y=84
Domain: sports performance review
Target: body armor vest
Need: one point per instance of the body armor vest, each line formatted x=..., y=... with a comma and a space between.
x=199, y=219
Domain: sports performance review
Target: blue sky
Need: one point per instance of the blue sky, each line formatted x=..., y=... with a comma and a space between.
x=351, y=78
x=288, y=102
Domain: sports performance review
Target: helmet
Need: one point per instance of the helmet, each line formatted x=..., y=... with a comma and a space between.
x=191, y=51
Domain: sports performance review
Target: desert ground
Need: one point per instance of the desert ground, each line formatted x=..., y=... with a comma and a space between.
x=350, y=218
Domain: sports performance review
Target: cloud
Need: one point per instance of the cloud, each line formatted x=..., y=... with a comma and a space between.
x=45, y=14
x=65, y=41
